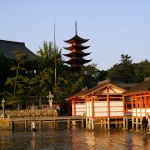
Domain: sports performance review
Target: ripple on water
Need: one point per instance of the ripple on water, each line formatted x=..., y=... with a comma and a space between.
x=71, y=139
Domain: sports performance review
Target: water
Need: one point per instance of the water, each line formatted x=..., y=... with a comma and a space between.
x=75, y=138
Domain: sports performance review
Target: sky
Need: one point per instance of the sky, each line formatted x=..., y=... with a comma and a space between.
x=113, y=27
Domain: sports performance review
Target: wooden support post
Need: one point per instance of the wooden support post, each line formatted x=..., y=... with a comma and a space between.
x=124, y=123
x=87, y=123
x=40, y=124
x=120, y=123
x=108, y=123
x=82, y=123
x=102, y=123
x=54, y=124
x=141, y=128
x=127, y=123
x=137, y=123
x=105, y=122
x=68, y=123
x=116, y=123
x=12, y=124
x=92, y=123
x=25, y=125
x=132, y=123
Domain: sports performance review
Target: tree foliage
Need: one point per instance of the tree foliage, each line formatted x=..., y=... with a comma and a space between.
x=36, y=76
x=122, y=72
x=19, y=82
x=5, y=65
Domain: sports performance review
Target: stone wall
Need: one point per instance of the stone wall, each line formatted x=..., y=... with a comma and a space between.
x=29, y=113
x=5, y=124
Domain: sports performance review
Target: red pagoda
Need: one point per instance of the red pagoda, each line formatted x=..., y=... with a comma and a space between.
x=76, y=54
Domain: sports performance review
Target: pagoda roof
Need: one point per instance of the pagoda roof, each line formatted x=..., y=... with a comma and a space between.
x=77, y=61
x=76, y=47
x=76, y=54
x=142, y=87
x=76, y=38
x=8, y=46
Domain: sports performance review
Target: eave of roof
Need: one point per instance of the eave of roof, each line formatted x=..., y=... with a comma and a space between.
x=81, y=47
x=76, y=54
x=77, y=61
x=142, y=87
x=76, y=38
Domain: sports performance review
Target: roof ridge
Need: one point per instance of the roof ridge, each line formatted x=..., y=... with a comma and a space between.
x=104, y=81
x=146, y=78
x=12, y=42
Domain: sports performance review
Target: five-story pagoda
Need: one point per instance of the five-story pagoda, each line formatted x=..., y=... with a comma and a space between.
x=76, y=54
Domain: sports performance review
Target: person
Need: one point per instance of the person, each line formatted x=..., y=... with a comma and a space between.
x=144, y=124
x=34, y=128
x=148, y=125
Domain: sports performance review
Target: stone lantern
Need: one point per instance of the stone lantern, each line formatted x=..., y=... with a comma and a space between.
x=50, y=96
x=3, y=105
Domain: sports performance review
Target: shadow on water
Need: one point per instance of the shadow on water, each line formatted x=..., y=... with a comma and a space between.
x=75, y=138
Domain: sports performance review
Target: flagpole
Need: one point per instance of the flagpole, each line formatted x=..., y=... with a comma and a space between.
x=55, y=52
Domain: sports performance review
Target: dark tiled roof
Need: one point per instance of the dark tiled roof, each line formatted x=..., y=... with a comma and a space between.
x=142, y=87
x=77, y=38
x=77, y=54
x=126, y=86
x=80, y=47
x=8, y=46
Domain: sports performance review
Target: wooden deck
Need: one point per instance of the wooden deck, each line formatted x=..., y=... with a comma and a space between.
x=70, y=120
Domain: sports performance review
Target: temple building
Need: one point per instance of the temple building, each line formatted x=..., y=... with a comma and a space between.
x=8, y=46
x=76, y=53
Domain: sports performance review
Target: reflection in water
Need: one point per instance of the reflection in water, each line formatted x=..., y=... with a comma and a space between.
x=71, y=139
x=33, y=143
x=90, y=139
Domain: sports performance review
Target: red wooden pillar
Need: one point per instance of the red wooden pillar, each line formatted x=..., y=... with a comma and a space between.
x=136, y=105
x=132, y=104
x=92, y=105
x=74, y=108
x=108, y=102
x=125, y=108
x=145, y=103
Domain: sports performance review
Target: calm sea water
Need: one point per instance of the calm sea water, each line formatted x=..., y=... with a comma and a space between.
x=75, y=138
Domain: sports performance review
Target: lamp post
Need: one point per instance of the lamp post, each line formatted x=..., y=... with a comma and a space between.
x=3, y=105
x=50, y=96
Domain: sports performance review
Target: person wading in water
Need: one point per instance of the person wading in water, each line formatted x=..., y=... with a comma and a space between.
x=144, y=124
x=34, y=128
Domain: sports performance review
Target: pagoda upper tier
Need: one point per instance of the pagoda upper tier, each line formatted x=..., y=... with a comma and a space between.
x=76, y=54
x=76, y=40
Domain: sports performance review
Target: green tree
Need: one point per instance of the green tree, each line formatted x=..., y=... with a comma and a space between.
x=50, y=57
x=142, y=70
x=5, y=65
x=41, y=84
x=47, y=55
x=123, y=72
x=18, y=83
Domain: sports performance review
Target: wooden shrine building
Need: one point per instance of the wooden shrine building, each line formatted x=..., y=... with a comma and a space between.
x=76, y=54
x=139, y=96
x=101, y=104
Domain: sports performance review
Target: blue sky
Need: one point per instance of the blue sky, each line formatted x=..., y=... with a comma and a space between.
x=113, y=27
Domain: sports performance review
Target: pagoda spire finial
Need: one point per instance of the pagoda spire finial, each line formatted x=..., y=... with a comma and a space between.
x=75, y=27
